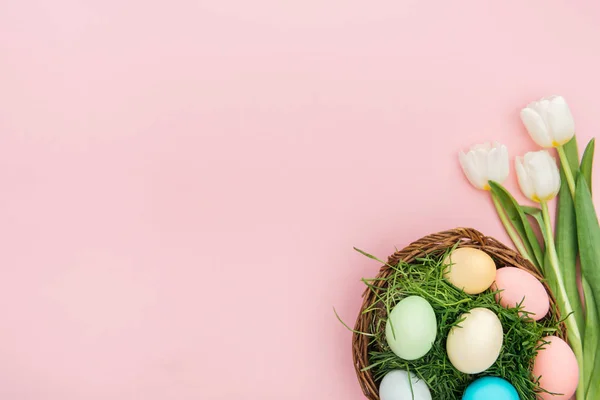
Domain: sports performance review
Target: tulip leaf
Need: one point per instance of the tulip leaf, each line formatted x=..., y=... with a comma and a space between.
x=591, y=347
x=536, y=213
x=565, y=232
x=593, y=386
x=519, y=220
x=588, y=235
x=587, y=161
x=549, y=277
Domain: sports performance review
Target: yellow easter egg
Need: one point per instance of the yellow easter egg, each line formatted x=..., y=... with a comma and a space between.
x=470, y=270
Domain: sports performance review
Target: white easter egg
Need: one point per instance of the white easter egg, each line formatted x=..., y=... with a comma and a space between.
x=395, y=386
x=475, y=343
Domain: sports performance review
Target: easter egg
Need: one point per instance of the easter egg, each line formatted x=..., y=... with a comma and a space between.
x=556, y=367
x=470, y=270
x=520, y=287
x=411, y=328
x=395, y=386
x=490, y=388
x=475, y=343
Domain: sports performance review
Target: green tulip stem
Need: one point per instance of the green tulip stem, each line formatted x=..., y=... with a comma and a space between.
x=510, y=230
x=561, y=296
x=568, y=173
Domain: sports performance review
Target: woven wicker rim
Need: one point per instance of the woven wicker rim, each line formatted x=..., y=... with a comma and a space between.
x=431, y=244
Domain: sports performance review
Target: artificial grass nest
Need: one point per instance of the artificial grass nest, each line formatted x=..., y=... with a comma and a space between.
x=417, y=270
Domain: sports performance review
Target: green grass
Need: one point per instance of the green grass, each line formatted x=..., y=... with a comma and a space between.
x=424, y=277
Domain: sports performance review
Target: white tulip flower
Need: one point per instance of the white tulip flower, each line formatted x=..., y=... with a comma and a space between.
x=538, y=175
x=483, y=163
x=549, y=121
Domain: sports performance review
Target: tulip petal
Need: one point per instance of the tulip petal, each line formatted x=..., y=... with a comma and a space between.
x=497, y=167
x=556, y=176
x=541, y=107
x=560, y=121
x=480, y=157
x=485, y=162
x=523, y=178
x=535, y=125
x=482, y=146
x=470, y=170
x=543, y=174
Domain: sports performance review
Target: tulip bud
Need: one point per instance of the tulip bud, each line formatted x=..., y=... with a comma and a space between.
x=549, y=121
x=538, y=175
x=483, y=163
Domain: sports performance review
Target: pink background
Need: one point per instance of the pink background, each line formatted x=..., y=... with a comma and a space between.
x=182, y=182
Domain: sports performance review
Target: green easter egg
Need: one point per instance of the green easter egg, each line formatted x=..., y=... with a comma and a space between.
x=411, y=328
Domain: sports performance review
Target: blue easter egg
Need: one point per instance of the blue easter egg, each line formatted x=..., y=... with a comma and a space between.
x=490, y=388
